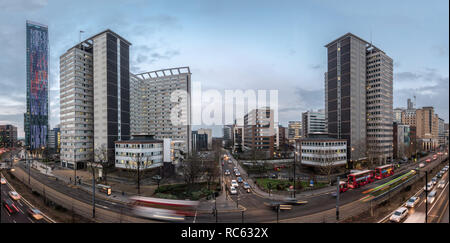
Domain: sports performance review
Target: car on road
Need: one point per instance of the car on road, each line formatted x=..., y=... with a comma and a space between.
x=434, y=180
x=428, y=187
x=246, y=185
x=14, y=195
x=233, y=190
x=239, y=180
x=293, y=201
x=3, y=181
x=237, y=173
x=439, y=175
x=278, y=205
x=431, y=196
x=399, y=215
x=412, y=202
x=230, y=162
x=35, y=213
x=9, y=205
x=441, y=184
x=234, y=183
x=421, y=165
x=227, y=172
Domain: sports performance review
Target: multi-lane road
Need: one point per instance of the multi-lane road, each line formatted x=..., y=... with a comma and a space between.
x=255, y=210
x=22, y=205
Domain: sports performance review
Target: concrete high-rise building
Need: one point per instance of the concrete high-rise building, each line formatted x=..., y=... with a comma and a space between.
x=397, y=116
x=36, y=116
x=346, y=92
x=94, y=97
x=313, y=122
x=259, y=130
x=359, y=97
x=8, y=136
x=151, y=105
x=441, y=131
x=294, y=131
x=379, y=105
x=227, y=132
x=54, y=136
x=238, y=137
x=427, y=128
x=208, y=133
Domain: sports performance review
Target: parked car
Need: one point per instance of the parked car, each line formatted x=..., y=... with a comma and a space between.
x=233, y=190
x=14, y=195
x=234, y=183
x=441, y=184
x=431, y=196
x=399, y=215
x=412, y=202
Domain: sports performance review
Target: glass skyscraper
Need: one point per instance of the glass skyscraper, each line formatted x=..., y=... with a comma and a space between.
x=36, y=116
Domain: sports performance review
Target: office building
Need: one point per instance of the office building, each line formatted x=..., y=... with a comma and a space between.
x=313, y=122
x=8, y=136
x=427, y=128
x=94, y=98
x=151, y=105
x=36, y=116
x=238, y=137
x=397, y=115
x=54, y=139
x=294, y=131
x=202, y=139
x=402, y=140
x=143, y=149
x=379, y=105
x=259, y=130
x=359, y=98
x=319, y=150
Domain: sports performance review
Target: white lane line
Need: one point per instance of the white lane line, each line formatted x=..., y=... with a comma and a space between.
x=18, y=201
x=31, y=206
x=14, y=221
x=101, y=206
x=435, y=201
x=30, y=220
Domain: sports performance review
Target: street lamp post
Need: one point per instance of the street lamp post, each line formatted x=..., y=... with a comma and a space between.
x=295, y=162
x=75, y=166
x=337, y=198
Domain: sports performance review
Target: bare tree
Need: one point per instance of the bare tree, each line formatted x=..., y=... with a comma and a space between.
x=101, y=161
x=138, y=167
x=327, y=165
x=192, y=169
x=211, y=169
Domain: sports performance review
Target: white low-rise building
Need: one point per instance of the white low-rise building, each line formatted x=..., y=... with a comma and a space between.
x=321, y=151
x=145, y=149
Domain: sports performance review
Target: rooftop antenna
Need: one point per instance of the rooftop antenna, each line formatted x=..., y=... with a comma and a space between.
x=79, y=38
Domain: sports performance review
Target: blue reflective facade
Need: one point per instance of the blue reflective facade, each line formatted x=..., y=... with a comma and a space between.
x=36, y=117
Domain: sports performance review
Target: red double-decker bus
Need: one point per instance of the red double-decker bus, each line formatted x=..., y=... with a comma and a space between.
x=384, y=171
x=359, y=179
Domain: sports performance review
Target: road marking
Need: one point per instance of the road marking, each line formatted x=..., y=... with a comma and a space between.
x=195, y=217
x=14, y=221
x=442, y=192
x=31, y=206
x=101, y=206
x=30, y=220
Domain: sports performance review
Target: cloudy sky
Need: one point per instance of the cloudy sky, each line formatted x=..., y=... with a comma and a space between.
x=251, y=44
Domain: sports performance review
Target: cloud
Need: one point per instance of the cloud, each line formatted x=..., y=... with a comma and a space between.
x=22, y=5
x=429, y=87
